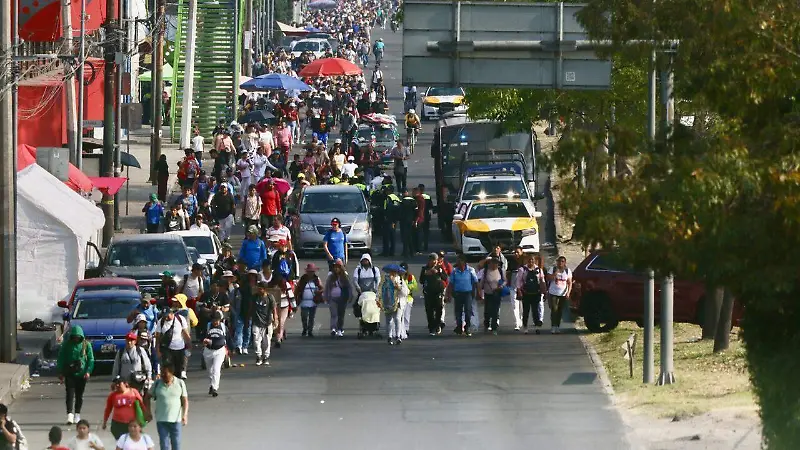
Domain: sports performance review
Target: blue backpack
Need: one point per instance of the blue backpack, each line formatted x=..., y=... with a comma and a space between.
x=284, y=269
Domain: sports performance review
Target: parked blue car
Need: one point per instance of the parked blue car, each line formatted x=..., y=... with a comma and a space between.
x=102, y=315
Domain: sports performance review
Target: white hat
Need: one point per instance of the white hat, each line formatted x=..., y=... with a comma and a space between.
x=274, y=238
x=337, y=141
x=351, y=158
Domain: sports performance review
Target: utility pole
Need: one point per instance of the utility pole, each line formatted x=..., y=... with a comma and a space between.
x=109, y=100
x=8, y=176
x=667, y=285
x=648, y=320
x=648, y=369
x=158, y=89
x=69, y=83
x=121, y=59
x=667, y=375
x=237, y=63
x=78, y=162
x=188, y=77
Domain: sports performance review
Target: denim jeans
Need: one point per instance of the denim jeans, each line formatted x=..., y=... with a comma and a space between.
x=463, y=305
x=241, y=337
x=307, y=315
x=169, y=435
x=492, y=310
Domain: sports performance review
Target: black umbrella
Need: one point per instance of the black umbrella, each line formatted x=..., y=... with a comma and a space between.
x=257, y=116
x=126, y=159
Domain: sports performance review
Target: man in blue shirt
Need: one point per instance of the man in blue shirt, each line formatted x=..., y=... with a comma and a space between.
x=335, y=243
x=253, y=251
x=462, y=287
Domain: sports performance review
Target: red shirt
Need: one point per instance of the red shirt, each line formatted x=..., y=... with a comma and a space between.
x=270, y=202
x=420, y=209
x=123, y=406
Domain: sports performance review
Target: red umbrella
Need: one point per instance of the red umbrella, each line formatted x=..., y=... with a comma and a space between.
x=281, y=185
x=328, y=67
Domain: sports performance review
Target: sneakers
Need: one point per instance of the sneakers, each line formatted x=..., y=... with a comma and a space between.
x=467, y=333
x=334, y=333
x=432, y=334
x=77, y=417
x=390, y=341
x=340, y=333
x=310, y=334
x=214, y=393
x=245, y=351
x=238, y=350
x=210, y=390
x=183, y=375
x=525, y=330
x=517, y=328
x=538, y=330
x=557, y=330
x=305, y=333
x=265, y=361
x=398, y=341
x=277, y=344
x=258, y=361
x=553, y=330
x=70, y=419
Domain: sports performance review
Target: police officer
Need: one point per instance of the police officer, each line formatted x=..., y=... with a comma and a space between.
x=426, y=224
x=408, y=214
x=377, y=200
x=391, y=211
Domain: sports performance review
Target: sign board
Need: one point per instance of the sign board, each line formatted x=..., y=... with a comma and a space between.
x=54, y=160
x=131, y=116
x=494, y=44
x=93, y=123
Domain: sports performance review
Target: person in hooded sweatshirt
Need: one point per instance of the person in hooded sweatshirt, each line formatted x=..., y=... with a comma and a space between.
x=366, y=278
x=74, y=367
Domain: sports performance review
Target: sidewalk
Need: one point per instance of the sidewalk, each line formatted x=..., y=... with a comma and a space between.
x=136, y=192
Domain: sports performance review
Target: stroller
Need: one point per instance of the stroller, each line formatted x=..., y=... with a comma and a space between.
x=369, y=314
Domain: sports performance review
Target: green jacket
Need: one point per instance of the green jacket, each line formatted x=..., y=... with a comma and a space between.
x=71, y=351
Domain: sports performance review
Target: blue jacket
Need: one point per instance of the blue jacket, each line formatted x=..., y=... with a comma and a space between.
x=253, y=253
x=151, y=314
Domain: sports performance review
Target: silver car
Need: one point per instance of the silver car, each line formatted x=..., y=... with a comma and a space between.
x=319, y=204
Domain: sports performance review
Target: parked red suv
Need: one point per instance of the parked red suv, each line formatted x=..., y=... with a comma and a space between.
x=606, y=292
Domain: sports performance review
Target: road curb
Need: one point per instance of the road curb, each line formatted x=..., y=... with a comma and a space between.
x=15, y=384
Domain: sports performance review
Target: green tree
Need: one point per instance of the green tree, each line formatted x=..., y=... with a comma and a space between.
x=722, y=202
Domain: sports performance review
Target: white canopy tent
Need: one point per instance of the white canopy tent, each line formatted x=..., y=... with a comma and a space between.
x=54, y=224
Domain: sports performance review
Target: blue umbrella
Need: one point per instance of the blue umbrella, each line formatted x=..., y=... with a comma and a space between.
x=273, y=82
x=393, y=268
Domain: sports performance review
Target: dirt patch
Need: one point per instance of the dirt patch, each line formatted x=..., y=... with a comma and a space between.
x=711, y=406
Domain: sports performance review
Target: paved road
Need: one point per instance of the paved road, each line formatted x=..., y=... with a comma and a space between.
x=506, y=392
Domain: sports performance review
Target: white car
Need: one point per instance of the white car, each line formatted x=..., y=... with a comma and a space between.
x=440, y=100
x=495, y=186
x=486, y=223
x=207, y=243
x=317, y=46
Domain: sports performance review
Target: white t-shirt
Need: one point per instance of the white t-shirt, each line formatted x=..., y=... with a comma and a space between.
x=192, y=287
x=282, y=233
x=349, y=169
x=244, y=167
x=145, y=442
x=197, y=143
x=266, y=136
x=180, y=324
x=83, y=444
x=202, y=227
x=259, y=165
x=559, y=284
x=307, y=301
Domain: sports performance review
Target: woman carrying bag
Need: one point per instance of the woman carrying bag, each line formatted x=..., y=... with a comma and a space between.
x=127, y=406
x=309, y=292
x=337, y=294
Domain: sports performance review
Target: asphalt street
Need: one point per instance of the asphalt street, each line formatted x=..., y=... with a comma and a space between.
x=510, y=391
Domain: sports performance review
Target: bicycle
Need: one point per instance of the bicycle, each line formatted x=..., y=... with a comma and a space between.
x=411, y=138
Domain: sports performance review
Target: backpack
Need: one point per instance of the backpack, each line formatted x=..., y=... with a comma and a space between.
x=284, y=269
x=191, y=169
x=531, y=284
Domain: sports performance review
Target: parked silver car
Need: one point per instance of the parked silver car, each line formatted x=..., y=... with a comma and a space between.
x=319, y=204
